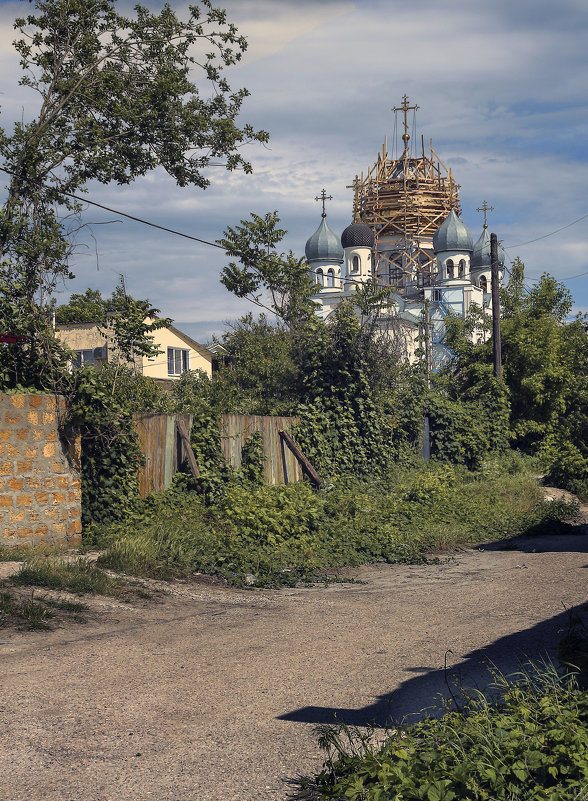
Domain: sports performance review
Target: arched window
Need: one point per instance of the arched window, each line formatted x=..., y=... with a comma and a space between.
x=331, y=278
x=484, y=284
x=320, y=279
x=355, y=264
x=462, y=268
x=449, y=266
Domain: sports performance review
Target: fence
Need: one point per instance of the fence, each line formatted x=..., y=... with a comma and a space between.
x=164, y=451
x=280, y=466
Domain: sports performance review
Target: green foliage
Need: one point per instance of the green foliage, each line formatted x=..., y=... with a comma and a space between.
x=264, y=371
x=531, y=743
x=101, y=404
x=116, y=101
x=262, y=269
x=545, y=370
x=252, y=459
x=342, y=428
x=77, y=575
x=87, y=308
x=266, y=535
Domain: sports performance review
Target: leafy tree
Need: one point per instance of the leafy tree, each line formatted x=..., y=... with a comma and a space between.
x=116, y=101
x=278, y=282
x=87, y=308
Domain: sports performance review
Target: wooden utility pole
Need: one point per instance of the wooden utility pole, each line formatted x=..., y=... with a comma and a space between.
x=426, y=434
x=496, y=346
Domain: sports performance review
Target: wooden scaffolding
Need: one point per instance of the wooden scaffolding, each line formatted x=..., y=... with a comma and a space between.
x=404, y=201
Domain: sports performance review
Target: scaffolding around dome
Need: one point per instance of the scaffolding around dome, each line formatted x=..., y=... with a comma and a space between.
x=404, y=200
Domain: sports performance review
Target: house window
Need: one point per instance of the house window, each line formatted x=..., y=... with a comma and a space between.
x=177, y=361
x=462, y=267
x=355, y=264
x=320, y=278
x=484, y=284
x=331, y=278
x=449, y=268
x=90, y=356
x=436, y=295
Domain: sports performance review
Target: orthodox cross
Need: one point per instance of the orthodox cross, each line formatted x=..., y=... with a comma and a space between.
x=405, y=108
x=485, y=208
x=323, y=196
x=355, y=186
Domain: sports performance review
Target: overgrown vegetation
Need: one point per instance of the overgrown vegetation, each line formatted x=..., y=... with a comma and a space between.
x=274, y=536
x=530, y=742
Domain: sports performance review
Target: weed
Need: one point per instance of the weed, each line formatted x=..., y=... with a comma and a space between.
x=268, y=536
x=76, y=575
x=29, y=614
x=529, y=742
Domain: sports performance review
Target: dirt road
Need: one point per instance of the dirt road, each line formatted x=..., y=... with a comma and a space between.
x=212, y=694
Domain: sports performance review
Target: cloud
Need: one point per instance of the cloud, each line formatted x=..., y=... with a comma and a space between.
x=500, y=89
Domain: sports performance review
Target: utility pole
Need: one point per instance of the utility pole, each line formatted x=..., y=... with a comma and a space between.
x=426, y=438
x=496, y=345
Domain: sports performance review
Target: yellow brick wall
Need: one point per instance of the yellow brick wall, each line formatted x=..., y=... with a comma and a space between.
x=40, y=482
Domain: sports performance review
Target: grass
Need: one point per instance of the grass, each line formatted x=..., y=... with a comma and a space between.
x=275, y=536
x=34, y=613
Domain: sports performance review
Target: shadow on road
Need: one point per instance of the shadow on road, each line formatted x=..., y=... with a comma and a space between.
x=422, y=693
x=570, y=538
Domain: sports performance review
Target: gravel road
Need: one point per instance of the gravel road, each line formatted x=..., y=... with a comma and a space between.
x=212, y=693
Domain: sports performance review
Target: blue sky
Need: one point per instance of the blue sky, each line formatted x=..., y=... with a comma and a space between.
x=501, y=89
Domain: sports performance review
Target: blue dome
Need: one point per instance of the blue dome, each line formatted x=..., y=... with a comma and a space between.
x=324, y=245
x=358, y=235
x=481, y=253
x=452, y=234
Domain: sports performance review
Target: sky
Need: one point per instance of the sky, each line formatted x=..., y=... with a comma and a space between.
x=501, y=90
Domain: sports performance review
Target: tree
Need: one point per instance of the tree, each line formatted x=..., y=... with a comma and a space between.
x=116, y=101
x=87, y=308
x=278, y=282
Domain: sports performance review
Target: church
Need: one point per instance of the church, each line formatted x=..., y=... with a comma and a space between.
x=406, y=235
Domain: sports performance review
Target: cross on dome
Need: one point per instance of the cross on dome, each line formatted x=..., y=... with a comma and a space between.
x=485, y=208
x=323, y=196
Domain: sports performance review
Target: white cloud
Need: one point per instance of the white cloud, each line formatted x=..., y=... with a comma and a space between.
x=501, y=89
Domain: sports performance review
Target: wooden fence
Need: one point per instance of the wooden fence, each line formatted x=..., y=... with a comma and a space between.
x=164, y=451
x=280, y=466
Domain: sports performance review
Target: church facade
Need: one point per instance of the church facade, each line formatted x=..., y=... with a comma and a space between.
x=406, y=235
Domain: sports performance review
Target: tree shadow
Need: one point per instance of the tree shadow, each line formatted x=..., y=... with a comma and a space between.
x=556, y=538
x=430, y=690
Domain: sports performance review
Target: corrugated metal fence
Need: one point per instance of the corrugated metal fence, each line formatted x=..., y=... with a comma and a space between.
x=164, y=452
x=280, y=466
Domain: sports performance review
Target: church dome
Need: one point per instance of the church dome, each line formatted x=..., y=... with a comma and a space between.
x=452, y=234
x=324, y=245
x=481, y=253
x=358, y=235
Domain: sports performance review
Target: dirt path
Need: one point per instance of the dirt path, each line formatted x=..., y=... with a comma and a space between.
x=212, y=693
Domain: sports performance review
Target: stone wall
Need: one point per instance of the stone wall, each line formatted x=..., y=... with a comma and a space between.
x=40, y=486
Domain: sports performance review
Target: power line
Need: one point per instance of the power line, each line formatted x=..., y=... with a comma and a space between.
x=130, y=216
x=545, y=236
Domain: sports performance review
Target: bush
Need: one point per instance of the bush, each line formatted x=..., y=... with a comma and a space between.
x=275, y=535
x=531, y=743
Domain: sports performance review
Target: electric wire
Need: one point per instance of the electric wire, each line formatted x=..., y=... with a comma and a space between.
x=545, y=236
x=130, y=216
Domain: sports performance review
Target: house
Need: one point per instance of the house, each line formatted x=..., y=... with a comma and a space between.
x=178, y=351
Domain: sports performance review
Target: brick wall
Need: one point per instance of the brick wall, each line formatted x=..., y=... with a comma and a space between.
x=40, y=487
